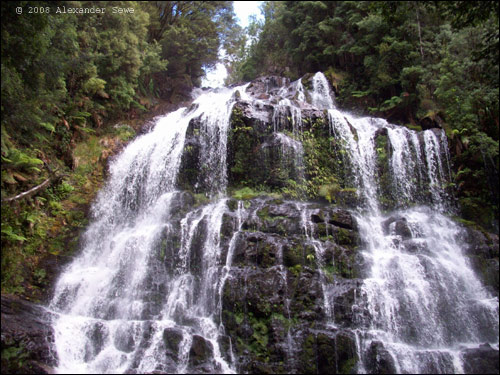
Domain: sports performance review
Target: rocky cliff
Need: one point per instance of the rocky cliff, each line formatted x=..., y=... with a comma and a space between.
x=290, y=258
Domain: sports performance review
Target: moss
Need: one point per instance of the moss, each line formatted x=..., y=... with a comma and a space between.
x=344, y=236
x=383, y=151
x=308, y=355
x=14, y=359
x=336, y=78
x=349, y=366
x=324, y=166
x=346, y=354
x=232, y=204
x=163, y=249
x=276, y=201
x=263, y=213
x=124, y=132
x=296, y=270
x=200, y=199
x=414, y=127
x=86, y=155
x=307, y=81
x=245, y=193
x=242, y=143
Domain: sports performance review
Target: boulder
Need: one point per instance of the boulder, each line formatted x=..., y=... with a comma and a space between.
x=397, y=226
x=27, y=337
x=480, y=360
x=482, y=250
x=379, y=360
x=172, y=338
x=201, y=351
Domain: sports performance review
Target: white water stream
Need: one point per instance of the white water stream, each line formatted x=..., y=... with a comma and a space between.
x=116, y=299
x=119, y=301
x=424, y=302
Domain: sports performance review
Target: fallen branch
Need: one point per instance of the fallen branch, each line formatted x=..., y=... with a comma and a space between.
x=30, y=192
x=53, y=177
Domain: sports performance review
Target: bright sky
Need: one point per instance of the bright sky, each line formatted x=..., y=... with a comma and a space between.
x=243, y=10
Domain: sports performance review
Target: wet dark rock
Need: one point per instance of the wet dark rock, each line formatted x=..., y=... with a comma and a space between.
x=256, y=291
x=196, y=248
x=347, y=357
x=342, y=218
x=28, y=336
x=482, y=250
x=429, y=123
x=397, y=226
x=307, y=296
x=325, y=351
x=201, y=351
x=381, y=132
x=181, y=203
x=414, y=246
x=147, y=127
x=379, y=359
x=172, y=338
x=189, y=170
x=344, y=297
x=253, y=113
x=229, y=223
x=124, y=339
x=435, y=362
x=286, y=209
x=274, y=294
x=266, y=85
x=225, y=344
x=481, y=360
x=257, y=248
x=327, y=356
x=97, y=334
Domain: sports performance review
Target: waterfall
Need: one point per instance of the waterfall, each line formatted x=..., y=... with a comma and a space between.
x=321, y=95
x=146, y=292
x=424, y=302
x=118, y=301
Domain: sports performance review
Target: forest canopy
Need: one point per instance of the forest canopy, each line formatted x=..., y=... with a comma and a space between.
x=419, y=63
x=69, y=78
x=71, y=70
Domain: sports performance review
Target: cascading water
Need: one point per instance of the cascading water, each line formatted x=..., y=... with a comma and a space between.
x=146, y=293
x=423, y=300
x=321, y=96
x=118, y=301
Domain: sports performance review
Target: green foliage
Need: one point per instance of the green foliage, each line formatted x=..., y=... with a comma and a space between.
x=414, y=63
x=244, y=194
x=16, y=159
x=188, y=35
x=124, y=132
x=9, y=235
x=65, y=79
x=14, y=357
x=40, y=225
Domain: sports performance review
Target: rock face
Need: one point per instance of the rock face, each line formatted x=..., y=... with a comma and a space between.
x=275, y=312
x=481, y=360
x=290, y=299
x=380, y=360
x=27, y=338
x=482, y=250
x=273, y=305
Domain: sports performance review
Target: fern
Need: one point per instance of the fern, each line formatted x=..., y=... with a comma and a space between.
x=10, y=235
